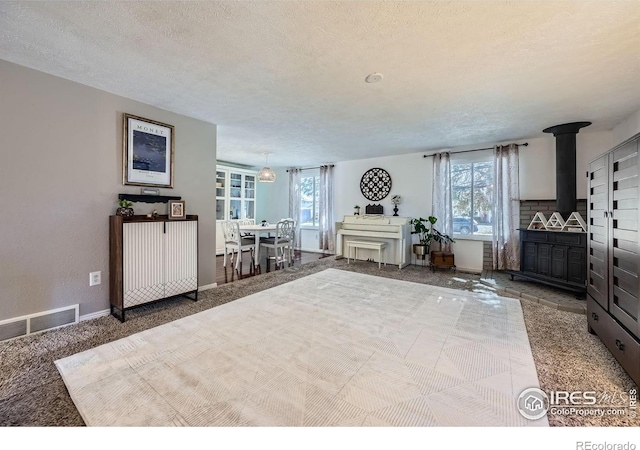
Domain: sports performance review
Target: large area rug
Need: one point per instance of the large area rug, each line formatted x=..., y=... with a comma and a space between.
x=567, y=357
x=329, y=349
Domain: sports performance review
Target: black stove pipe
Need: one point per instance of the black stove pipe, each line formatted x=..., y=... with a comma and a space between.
x=565, y=135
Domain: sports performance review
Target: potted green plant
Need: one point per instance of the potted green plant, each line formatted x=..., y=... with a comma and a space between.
x=125, y=208
x=427, y=234
x=356, y=210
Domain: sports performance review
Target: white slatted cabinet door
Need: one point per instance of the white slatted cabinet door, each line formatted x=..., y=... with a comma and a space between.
x=181, y=257
x=143, y=262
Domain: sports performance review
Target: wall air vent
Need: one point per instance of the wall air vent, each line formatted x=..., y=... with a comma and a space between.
x=42, y=321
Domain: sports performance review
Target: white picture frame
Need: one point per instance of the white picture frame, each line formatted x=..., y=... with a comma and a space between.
x=177, y=210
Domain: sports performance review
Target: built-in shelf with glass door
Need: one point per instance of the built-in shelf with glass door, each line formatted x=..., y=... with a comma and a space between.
x=221, y=193
x=235, y=197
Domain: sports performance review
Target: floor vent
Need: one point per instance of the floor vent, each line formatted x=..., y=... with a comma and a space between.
x=35, y=323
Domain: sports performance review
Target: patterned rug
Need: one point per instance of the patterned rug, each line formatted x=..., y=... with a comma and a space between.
x=333, y=348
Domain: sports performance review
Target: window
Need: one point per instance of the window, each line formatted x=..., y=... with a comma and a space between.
x=309, y=200
x=472, y=198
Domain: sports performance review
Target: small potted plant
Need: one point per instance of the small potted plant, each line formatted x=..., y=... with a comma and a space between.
x=125, y=208
x=427, y=235
x=356, y=210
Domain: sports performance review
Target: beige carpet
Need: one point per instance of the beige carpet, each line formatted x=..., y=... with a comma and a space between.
x=330, y=349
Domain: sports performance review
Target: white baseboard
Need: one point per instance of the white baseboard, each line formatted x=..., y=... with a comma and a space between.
x=106, y=312
x=458, y=269
x=311, y=250
x=206, y=287
x=95, y=315
x=468, y=270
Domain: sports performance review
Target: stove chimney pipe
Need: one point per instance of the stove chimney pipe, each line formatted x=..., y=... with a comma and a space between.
x=565, y=135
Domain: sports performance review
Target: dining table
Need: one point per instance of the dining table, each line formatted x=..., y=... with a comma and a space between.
x=256, y=231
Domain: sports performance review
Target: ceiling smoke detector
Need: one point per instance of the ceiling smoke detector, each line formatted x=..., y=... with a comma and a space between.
x=373, y=78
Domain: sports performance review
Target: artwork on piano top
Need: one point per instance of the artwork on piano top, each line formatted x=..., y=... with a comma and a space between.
x=374, y=209
x=375, y=184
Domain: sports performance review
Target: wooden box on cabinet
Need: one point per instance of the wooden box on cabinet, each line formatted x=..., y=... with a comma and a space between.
x=151, y=260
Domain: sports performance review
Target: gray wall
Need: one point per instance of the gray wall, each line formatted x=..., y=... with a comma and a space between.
x=60, y=174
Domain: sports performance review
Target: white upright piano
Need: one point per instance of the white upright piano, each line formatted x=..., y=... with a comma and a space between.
x=393, y=230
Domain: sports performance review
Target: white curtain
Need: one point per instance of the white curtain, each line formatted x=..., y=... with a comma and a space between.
x=441, y=205
x=326, y=232
x=294, y=203
x=506, y=208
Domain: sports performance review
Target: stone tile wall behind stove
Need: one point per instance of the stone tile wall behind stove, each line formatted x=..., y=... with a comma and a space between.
x=529, y=208
x=487, y=255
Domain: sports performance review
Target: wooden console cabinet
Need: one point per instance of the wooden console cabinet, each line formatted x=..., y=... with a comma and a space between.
x=613, y=302
x=555, y=258
x=150, y=260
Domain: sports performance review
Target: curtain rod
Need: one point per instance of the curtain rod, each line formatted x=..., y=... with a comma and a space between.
x=309, y=168
x=474, y=150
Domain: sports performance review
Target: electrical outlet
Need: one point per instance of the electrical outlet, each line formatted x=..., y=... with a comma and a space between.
x=95, y=278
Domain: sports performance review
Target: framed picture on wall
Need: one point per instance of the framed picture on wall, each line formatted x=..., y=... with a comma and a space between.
x=177, y=210
x=148, y=152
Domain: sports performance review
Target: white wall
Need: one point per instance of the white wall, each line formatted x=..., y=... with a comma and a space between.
x=627, y=128
x=309, y=240
x=468, y=254
x=411, y=177
x=273, y=198
x=538, y=164
x=60, y=174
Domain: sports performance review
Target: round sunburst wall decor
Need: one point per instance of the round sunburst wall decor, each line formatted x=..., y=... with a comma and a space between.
x=375, y=184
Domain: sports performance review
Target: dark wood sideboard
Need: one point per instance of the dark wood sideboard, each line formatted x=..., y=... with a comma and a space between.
x=555, y=258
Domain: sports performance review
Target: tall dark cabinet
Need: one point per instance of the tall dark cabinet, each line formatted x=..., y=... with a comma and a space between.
x=613, y=285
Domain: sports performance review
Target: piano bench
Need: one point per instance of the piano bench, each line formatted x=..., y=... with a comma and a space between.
x=368, y=245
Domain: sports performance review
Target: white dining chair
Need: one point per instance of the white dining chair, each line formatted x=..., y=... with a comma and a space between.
x=235, y=242
x=281, y=243
x=293, y=240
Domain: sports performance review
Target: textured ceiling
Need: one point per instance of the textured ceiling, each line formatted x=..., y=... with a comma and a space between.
x=287, y=77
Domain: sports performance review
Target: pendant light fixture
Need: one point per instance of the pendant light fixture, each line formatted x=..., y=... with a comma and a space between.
x=266, y=175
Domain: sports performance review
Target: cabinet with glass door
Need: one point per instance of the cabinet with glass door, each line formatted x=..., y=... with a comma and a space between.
x=235, y=198
x=221, y=196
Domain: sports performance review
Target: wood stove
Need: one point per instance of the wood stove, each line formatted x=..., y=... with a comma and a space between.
x=558, y=258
